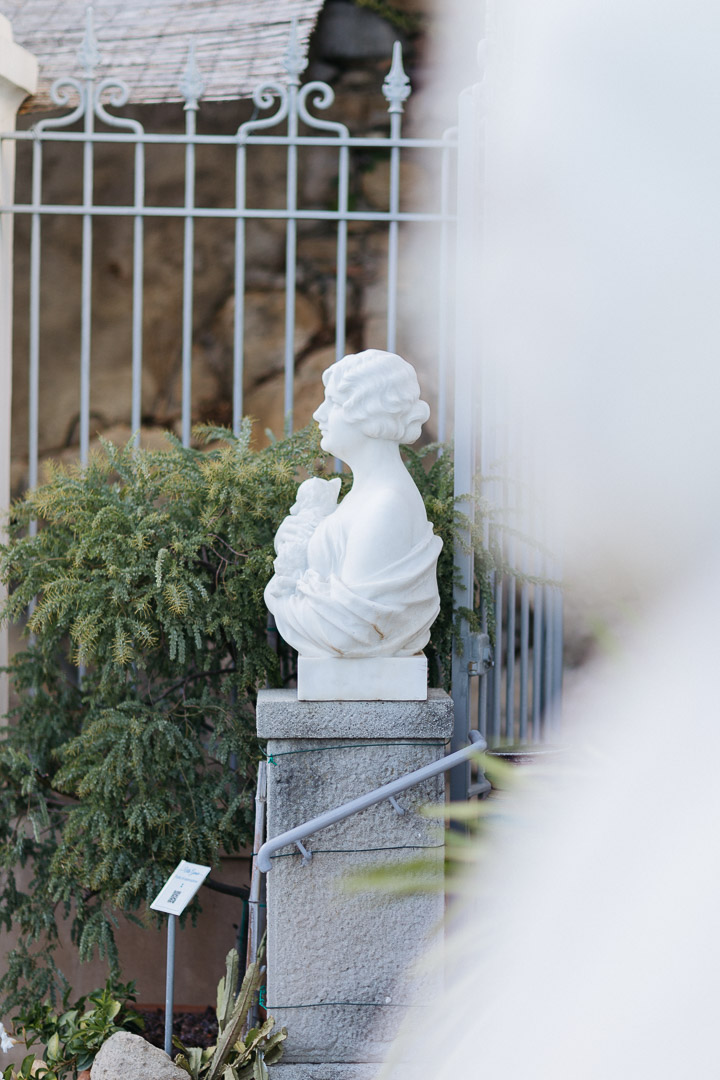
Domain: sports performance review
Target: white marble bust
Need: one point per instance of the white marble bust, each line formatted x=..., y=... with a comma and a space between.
x=358, y=578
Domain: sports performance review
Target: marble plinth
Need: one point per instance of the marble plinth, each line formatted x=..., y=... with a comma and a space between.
x=379, y=678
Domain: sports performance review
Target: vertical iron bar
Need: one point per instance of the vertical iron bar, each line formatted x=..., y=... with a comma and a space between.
x=510, y=672
x=291, y=258
x=170, y=982
x=558, y=658
x=396, y=89
x=548, y=659
x=395, y=126
x=496, y=722
x=549, y=665
x=188, y=272
x=239, y=310
x=510, y=509
x=86, y=286
x=253, y=941
x=483, y=688
x=444, y=294
x=466, y=355
x=486, y=432
x=537, y=662
x=137, y=298
x=526, y=521
x=524, y=658
x=492, y=676
x=341, y=286
x=34, y=357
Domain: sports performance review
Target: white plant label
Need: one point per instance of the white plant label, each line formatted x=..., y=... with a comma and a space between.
x=180, y=887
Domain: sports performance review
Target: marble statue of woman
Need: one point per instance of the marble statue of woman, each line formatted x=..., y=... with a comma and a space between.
x=357, y=579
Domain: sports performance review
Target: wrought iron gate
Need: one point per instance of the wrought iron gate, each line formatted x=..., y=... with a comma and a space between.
x=515, y=699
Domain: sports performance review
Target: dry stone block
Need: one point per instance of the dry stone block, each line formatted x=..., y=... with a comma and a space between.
x=129, y=1057
x=346, y=32
x=415, y=186
x=265, y=402
x=265, y=331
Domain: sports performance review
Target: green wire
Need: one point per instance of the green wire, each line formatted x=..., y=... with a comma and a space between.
x=355, y=850
x=319, y=1004
x=351, y=746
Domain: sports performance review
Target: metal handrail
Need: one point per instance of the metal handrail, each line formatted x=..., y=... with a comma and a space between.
x=387, y=791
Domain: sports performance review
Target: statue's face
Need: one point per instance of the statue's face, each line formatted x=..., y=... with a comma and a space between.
x=339, y=436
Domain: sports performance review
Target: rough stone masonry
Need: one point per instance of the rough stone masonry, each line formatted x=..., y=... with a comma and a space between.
x=340, y=956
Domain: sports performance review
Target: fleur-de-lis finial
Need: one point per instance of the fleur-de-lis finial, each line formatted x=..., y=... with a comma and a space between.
x=192, y=83
x=295, y=62
x=89, y=53
x=396, y=87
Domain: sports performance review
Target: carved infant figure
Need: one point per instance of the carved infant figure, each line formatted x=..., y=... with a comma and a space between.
x=316, y=498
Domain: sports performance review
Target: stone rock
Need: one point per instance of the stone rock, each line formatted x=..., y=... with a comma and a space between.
x=265, y=401
x=264, y=334
x=363, y=105
x=129, y=1057
x=417, y=335
x=416, y=186
x=59, y=392
x=318, y=169
x=346, y=32
x=319, y=252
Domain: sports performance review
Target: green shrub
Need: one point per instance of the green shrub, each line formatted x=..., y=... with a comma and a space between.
x=148, y=569
x=70, y=1039
x=146, y=574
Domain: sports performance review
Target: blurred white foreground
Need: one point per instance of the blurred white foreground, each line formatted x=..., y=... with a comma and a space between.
x=592, y=945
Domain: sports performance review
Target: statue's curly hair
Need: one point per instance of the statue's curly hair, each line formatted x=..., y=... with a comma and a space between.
x=379, y=391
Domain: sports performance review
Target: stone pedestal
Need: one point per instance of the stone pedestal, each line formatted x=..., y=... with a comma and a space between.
x=338, y=960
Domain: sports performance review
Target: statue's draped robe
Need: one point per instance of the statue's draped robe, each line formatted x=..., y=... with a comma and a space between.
x=388, y=614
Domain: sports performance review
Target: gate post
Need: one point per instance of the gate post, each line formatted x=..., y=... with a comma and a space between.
x=18, y=78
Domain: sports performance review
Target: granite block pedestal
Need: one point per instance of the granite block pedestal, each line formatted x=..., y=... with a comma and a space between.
x=339, y=956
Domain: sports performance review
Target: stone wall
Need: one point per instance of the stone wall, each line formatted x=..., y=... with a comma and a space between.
x=351, y=49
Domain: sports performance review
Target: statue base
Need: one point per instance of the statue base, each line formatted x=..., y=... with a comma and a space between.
x=341, y=962
x=374, y=678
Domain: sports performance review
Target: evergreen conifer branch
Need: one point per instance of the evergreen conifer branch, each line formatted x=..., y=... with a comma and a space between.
x=148, y=568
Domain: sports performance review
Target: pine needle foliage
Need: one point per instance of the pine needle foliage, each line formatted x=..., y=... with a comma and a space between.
x=146, y=574
x=147, y=568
